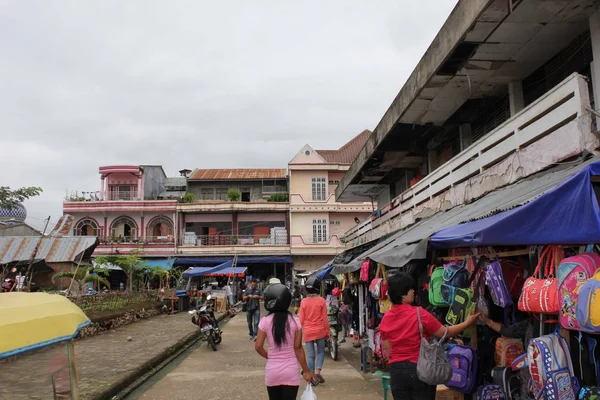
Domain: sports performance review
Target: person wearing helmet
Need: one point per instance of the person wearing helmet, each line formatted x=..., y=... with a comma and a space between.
x=313, y=317
x=284, y=333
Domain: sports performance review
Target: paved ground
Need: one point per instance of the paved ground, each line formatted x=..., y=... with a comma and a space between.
x=236, y=371
x=101, y=360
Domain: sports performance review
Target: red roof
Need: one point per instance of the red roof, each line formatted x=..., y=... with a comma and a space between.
x=237, y=174
x=348, y=152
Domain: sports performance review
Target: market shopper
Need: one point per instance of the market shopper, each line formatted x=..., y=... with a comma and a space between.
x=401, y=338
x=313, y=317
x=284, y=334
x=252, y=297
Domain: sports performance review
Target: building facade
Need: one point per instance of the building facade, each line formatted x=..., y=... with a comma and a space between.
x=505, y=90
x=317, y=220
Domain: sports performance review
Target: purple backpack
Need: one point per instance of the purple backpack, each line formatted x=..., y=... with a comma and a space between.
x=494, y=279
x=490, y=392
x=463, y=361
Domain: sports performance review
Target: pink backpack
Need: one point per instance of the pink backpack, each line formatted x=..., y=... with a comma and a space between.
x=364, y=271
x=572, y=273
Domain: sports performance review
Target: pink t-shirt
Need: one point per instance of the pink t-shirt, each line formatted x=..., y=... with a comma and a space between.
x=282, y=365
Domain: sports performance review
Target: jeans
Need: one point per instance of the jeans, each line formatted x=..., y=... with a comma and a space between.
x=253, y=316
x=406, y=385
x=282, y=392
x=310, y=350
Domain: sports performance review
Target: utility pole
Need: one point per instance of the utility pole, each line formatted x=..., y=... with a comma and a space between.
x=35, y=251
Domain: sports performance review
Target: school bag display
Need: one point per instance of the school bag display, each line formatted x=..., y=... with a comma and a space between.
x=573, y=272
x=509, y=380
x=435, y=287
x=494, y=279
x=588, y=305
x=551, y=369
x=463, y=361
x=490, y=392
x=507, y=350
x=456, y=275
x=461, y=307
x=540, y=295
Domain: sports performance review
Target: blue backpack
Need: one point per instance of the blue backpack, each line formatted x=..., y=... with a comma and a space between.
x=463, y=361
x=490, y=392
x=455, y=277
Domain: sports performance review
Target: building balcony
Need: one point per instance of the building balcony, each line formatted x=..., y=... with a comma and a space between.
x=554, y=128
x=228, y=206
x=272, y=189
x=234, y=244
x=90, y=206
x=310, y=245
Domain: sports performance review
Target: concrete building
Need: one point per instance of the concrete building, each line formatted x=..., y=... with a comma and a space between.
x=316, y=220
x=505, y=90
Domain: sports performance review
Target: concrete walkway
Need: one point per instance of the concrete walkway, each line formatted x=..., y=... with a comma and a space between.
x=103, y=361
x=236, y=371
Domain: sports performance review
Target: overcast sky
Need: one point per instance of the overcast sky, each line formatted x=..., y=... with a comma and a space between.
x=193, y=84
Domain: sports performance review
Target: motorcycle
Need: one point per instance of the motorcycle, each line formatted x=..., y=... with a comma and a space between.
x=334, y=329
x=204, y=317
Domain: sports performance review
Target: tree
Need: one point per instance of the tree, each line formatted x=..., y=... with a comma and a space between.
x=130, y=264
x=189, y=198
x=234, y=194
x=10, y=199
x=81, y=277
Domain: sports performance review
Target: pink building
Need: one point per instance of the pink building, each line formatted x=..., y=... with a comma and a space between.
x=134, y=210
x=316, y=220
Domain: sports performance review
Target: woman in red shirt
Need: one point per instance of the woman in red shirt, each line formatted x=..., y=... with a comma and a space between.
x=402, y=340
x=313, y=318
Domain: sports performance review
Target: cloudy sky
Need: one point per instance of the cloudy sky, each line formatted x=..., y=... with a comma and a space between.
x=193, y=84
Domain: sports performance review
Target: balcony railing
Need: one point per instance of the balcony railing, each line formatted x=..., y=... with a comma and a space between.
x=125, y=195
x=235, y=240
x=138, y=240
x=274, y=189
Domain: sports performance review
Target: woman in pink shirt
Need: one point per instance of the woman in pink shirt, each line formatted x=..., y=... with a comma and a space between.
x=313, y=317
x=284, y=333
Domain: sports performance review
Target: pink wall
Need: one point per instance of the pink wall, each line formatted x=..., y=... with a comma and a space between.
x=258, y=217
x=208, y=217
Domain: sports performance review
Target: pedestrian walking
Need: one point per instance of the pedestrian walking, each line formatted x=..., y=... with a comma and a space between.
x=252, y=297
x=284, y=334
x=313, y=317
x=402, y=339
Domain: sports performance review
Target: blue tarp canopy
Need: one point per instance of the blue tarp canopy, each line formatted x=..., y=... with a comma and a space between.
x=241, y=260
x=166, y=263
x=231, y=271
x=566, y=214
x=201, y=271
x=322, y=274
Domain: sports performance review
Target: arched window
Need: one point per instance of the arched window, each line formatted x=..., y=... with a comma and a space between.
x=160, y=227
x=87, y=227
x=124, y=228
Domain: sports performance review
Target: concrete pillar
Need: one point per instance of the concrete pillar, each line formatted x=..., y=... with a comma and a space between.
x=465, y=136
x=140, y=189
x=142, y=233
x=515, y=96
x=595, y=65
x=432, y=162
x=102, y=188
x=106, y=232
x=234, y=224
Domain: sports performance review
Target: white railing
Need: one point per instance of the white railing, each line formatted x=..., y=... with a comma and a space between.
x=555, y=127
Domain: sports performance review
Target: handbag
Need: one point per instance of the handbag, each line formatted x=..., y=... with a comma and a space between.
x=540, y=295
x=433, y=366
x=378, y=286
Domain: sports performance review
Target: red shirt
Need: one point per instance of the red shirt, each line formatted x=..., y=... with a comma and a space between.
x=313, y=318
x=400, y=327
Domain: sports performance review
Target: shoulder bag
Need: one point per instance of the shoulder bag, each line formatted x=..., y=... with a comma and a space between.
x=433, y=367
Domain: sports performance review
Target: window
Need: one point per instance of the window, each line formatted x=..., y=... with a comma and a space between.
x=221, y=194
x=319, y=189
x=334, y=183
x=319, y=230
x=87, y=227
x=207, y=194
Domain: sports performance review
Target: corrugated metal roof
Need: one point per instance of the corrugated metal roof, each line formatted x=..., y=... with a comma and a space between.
x=170, y=182
x=237, y=174
x=51, y=249
x=348, y=152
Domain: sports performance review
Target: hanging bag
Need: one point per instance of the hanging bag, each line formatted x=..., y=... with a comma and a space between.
x=433, y=366
x=540, y=295
x=378, y=288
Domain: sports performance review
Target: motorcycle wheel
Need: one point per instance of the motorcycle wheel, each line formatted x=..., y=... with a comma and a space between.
x=333, y=348
x=211, y=343
x=218, y=338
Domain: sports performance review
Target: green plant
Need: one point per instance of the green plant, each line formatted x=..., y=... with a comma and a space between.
x=279, y=197
x=11, y=199
x=132, y=265
x=234, y=195
x=189, y=198
x=81, y=277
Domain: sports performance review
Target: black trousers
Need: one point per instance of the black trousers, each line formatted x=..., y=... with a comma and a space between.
x=406, y=385
x=282, y=392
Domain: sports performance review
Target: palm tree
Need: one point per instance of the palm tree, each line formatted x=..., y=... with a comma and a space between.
x=132, y=265
x=81, y=277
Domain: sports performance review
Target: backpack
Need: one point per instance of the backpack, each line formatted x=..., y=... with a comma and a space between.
x=507, y=350
x=460, y=308
x=551, y=369
x=572, y=273
x=509, y=380
x=490, y=392
x=364, y=271
x=463, y=361
x=587, y=311
x=494, y=279
x=589, y=393
x=456, y=275
x=435, y=287
x=584, y=353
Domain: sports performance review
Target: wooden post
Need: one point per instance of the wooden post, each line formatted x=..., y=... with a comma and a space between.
x=75, y=274
x=73, y=378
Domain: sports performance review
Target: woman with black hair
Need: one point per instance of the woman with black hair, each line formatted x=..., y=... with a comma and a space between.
x=284, y=333
x=402, y=340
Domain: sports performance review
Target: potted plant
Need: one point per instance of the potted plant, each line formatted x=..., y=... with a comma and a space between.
x=234, y=195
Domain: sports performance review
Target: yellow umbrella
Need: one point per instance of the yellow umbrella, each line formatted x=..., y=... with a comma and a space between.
x=29, y=321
